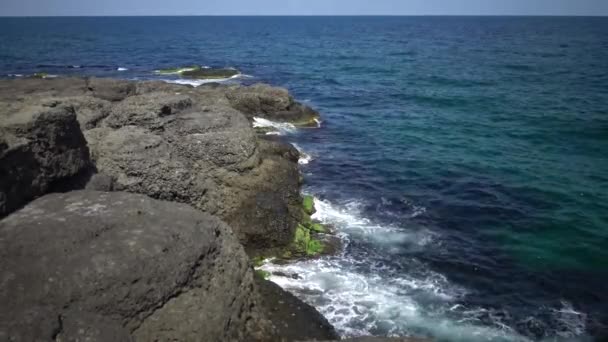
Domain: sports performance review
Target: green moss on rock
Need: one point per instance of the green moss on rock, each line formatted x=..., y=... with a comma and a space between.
x=258, y=261
x=312, y=122
x=305, y=243
x=210, y=73
x=317, y=227
x=308, y=204
x=40, y=75
x=262, y=274
x=315, y=247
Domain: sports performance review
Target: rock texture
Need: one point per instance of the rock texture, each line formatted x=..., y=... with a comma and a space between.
x=41, y=148
x=178, y=143
x=96, y=265
x=294, y=320
x=100, y=266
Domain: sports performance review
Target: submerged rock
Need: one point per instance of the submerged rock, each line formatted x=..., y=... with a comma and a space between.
x=200, y=73
x=209, y=73
x=116, y=266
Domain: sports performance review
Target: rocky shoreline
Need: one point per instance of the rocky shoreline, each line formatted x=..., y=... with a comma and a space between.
x=131, y=211
x=115, y=195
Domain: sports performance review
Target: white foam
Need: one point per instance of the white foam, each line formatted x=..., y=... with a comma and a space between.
x=362, y=294
x=176, y=72
x=280, y=128
x=573, y=320
x=199, y=82
x=349, y=221
x=305, y=158
x=15, y=75
x=122, y=69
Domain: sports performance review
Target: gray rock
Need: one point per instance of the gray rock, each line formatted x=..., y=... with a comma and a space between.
x=110, y=89
x=202, y=152
x=41, y=148
x=271, y=103
x=116, y=266
x=171, y=142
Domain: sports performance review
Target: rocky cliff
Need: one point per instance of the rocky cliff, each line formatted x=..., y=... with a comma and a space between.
x=177, y=184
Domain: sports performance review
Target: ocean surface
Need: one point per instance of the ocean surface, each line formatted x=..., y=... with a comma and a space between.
x=462, y=160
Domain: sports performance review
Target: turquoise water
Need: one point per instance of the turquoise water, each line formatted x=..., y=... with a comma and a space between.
x=462, y=159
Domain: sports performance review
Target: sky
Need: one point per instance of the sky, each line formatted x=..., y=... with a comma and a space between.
x=302, y=7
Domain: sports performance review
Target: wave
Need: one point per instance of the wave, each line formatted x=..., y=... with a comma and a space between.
x=366, y=292
x=305, y=158
x=75, y=66
x=280, y=128
x=199, y=82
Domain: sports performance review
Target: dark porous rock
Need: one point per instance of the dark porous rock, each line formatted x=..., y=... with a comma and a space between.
x=100, y=182
x=146, y=110
x=101, y=266
x=22, y=90
x=110, y=89
x=189, y=145
x=271, y=103
x=170, y=142
x=41, y=148
x=294, y=319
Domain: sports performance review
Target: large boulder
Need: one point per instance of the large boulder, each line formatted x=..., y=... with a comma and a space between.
x=41, y=148
x=100, y=266
x=170, y=142
x=261, y=100
x=190, y=146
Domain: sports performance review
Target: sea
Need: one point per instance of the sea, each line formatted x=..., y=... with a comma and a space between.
x=463, y=161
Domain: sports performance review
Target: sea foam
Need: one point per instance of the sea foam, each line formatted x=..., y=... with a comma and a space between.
x=279, y=128
x=360, y=294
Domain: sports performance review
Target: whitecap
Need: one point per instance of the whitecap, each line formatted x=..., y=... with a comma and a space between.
x=305, y=158
x=280, y=128
x=199, y=82
x=175, y=72
x=15, y=75
x=361, y=294
x=122, y=69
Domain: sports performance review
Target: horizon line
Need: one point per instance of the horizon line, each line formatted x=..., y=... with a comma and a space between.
x=302, y=15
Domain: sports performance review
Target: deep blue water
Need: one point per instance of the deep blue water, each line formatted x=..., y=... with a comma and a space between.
x=464, y=160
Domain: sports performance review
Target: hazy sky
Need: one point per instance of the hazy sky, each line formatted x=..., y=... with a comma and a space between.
x=302, y=7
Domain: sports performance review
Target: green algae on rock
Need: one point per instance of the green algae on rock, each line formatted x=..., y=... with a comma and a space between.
x=209, y=73
x=178, y=70
x=40, y=75
x=308, y=203
x=305, y=243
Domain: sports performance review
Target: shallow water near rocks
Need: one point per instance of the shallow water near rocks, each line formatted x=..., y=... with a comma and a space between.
x=461, y=159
